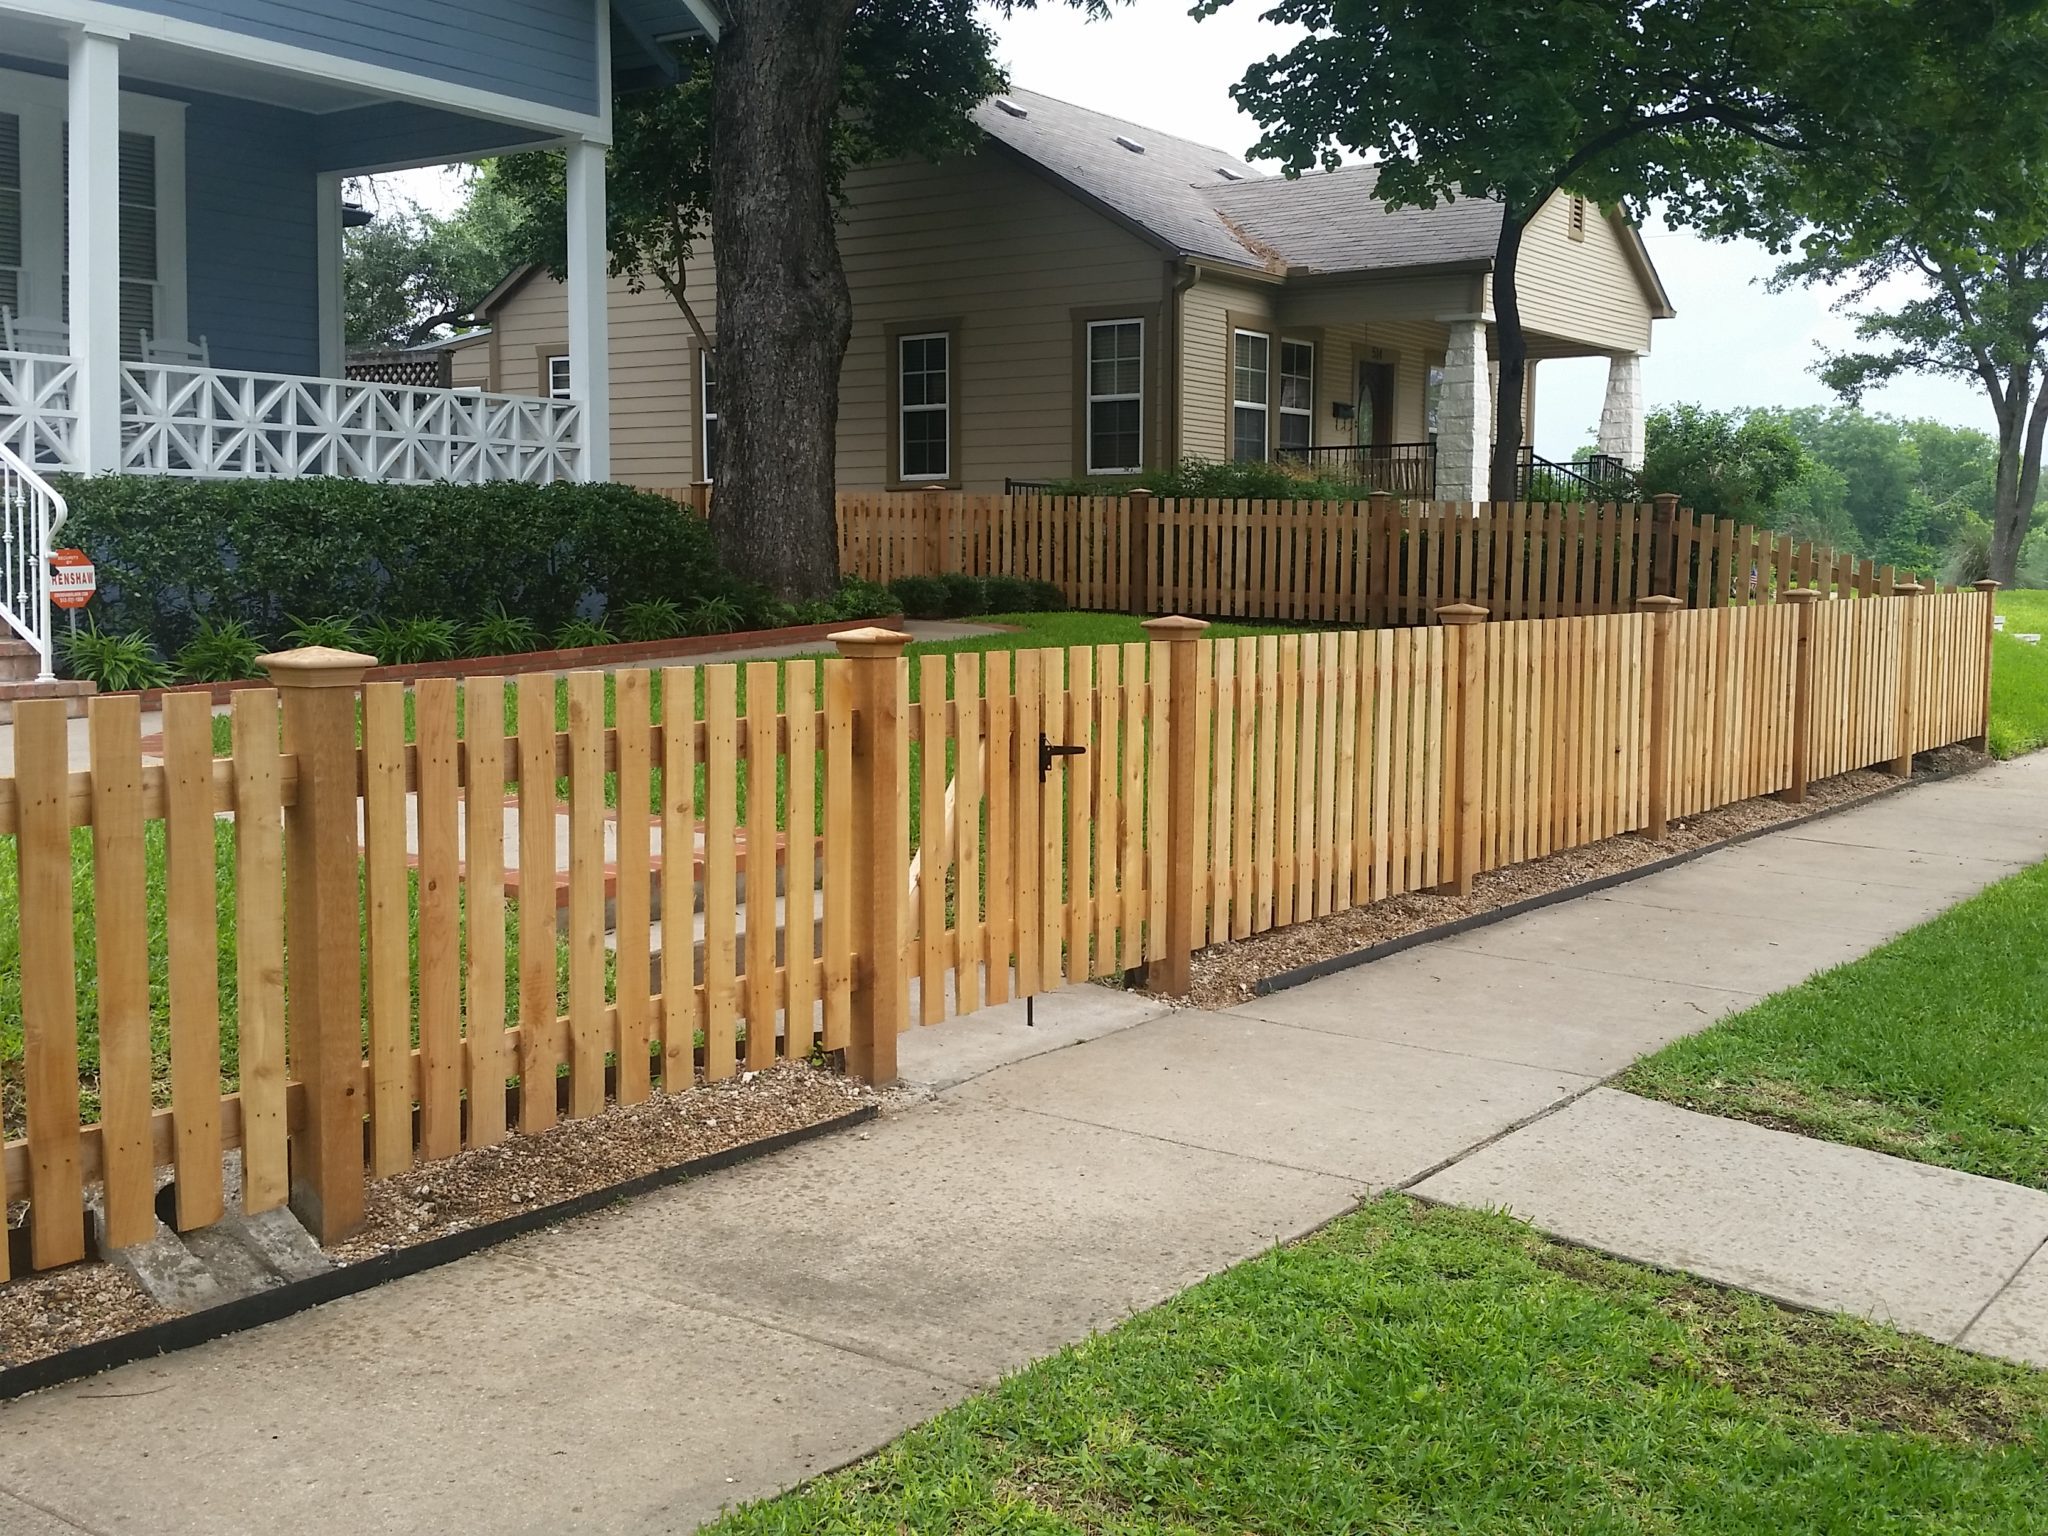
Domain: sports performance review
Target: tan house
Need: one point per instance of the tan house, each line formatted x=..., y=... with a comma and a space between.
x=1084, y=296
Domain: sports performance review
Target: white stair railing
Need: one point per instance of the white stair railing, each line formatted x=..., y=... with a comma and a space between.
x=31, y=512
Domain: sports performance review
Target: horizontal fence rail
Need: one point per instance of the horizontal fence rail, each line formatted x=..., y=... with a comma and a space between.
x=512, y=902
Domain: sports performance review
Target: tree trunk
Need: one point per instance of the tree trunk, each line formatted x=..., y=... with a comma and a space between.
x=784, y=312
x=2022, y=418
x=1512, y=350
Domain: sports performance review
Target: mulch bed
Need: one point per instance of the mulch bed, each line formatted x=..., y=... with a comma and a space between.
x=1225, y=974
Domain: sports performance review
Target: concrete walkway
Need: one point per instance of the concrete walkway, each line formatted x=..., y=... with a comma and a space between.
x=639, y=1369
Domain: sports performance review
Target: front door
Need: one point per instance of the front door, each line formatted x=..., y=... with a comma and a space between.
x=1375, y=415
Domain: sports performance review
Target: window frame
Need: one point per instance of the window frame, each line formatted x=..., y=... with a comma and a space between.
x=550, y=390
x=1263, y=405
x=1090, y=399
x=1282, y=410
x=896, y=336
x=707, y=417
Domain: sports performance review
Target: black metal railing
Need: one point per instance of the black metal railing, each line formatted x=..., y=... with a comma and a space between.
x=1025, y=487
x=1593, y=475
x=1401, y=469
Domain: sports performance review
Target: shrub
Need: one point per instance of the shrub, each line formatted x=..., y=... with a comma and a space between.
x=714, y=616
x=578, y=633
x=964, y=596
x=404, y=642
x=1224, y=479
x=336, y=631
x=656, y=619
x=1046, y=597
x=1009, y=594
x=499, y=633
x=819, y=610
x=858, y=599
x=920, y=597
x=114, y=662
x=222, y=651
x=170, y=550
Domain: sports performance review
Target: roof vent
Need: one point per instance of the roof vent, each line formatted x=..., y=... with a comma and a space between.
x=1004, y=104
x=1227, y=173
x=1131, y=144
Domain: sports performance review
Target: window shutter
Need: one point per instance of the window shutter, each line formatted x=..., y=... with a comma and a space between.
x=10, y=211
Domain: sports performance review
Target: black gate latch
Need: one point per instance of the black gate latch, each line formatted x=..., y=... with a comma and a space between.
x=1047, y=752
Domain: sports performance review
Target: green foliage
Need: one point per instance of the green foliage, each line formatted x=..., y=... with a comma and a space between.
x=1046, y=597
x=920, y=597
x=577, y=633
x=222, y=651
x=1008, y=594
x=655, y=618
x=2019, y=677
x=403, y=642
x=713, y=616
x=1224, y=479
x=338, y=632
x=859, y=599
x=499, y=633
x=409, y=276
x=170, y=550
x=1720, y=463
x=964, y=595
x=114, y=662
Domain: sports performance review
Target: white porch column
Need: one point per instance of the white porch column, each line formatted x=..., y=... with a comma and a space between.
x=333, y=300
x=1621, y=414
x=589, y=329
x=1464, y=423
x=94, y=113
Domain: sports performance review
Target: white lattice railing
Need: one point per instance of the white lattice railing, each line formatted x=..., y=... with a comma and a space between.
x=38, y=408
x=30, y=515
x=179, y=420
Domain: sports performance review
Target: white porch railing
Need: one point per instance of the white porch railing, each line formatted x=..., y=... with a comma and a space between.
x=209, y=423
x=38, y=407
x=30, y=515
x=204, y=422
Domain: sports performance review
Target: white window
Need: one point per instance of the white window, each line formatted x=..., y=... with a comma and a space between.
x=558, y=378
x=707, y=413
x=1251, y=355
x=1116, y=397
x=1297, y=398
x=924, y=406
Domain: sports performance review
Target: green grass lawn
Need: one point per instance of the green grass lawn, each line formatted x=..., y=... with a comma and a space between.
x=2019, y=677
x=1427, y=1371
x=1934, y=1047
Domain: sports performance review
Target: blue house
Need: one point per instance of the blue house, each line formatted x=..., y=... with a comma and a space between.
x=171, y=219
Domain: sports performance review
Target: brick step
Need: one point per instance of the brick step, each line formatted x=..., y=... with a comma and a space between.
x=19, y=662
x=73, y=692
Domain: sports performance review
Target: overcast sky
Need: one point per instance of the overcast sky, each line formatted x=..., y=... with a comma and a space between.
x=1732, y=344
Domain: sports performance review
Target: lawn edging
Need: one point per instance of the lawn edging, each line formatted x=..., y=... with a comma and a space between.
x=575, y=658
x=1315, y=970
x=201, y=1327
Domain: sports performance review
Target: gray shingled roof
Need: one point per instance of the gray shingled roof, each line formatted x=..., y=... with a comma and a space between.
x=1177, y=192
x=1330, y=221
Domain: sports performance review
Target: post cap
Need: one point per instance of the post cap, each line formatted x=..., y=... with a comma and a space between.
x=1665, y=501
x=1461, y=613
x=1987, y=585
x=1660, y=604
x=1907, y=589
x=1174, y=627
x=316, y=666
x=871, y=641
x=1799, y=595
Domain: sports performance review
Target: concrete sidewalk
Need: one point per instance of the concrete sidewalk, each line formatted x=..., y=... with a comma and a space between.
x=636, y=1370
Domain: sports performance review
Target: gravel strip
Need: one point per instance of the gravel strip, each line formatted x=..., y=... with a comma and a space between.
x=1224, y=974
x=43, y=1315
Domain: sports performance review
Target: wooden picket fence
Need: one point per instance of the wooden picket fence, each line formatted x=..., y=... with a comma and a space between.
x=499, y=917
x=1379, y=562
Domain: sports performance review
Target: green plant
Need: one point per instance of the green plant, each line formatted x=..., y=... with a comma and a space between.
x=336, y=631
x=858, y=599
x=920, y=597
x=713, y=616
x=223, y=651
x=1008, y=594
x=405, y=642
x=657, y=618
x=964, y=595
x=114, y=662
x=499, y=633
x=1047, y=598
x=578, y=633
x=817, y=611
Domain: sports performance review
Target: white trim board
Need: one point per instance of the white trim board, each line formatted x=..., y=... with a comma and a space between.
x=311, y=63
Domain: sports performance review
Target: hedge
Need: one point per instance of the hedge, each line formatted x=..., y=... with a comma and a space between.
x=170, y=552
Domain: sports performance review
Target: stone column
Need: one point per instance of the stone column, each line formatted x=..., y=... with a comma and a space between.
x=1464, y=436
x=1621, y=414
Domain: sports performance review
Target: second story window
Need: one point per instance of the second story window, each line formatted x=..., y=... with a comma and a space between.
x=924, y=406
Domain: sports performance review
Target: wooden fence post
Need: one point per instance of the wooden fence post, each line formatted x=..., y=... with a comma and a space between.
x=1464, y=740
x=1170, y=975
x=1901, y=766
x=318, y=688
x=881, y=849
x=1802, y=598
x=1982, y=741
x=1663, y=552
x=1380, y=536
x=1663, y=708
x=1138, y=550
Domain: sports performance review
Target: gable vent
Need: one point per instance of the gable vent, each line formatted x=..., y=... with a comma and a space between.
x=1227, y=173
x=1131, y=144
x=1004, y=104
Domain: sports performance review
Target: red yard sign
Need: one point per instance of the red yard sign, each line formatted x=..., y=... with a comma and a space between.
x=72, y=578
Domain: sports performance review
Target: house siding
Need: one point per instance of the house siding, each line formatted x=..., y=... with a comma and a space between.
x=1207, y=309
x=1581, y=290
x=541, y=51
x=251, y=236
